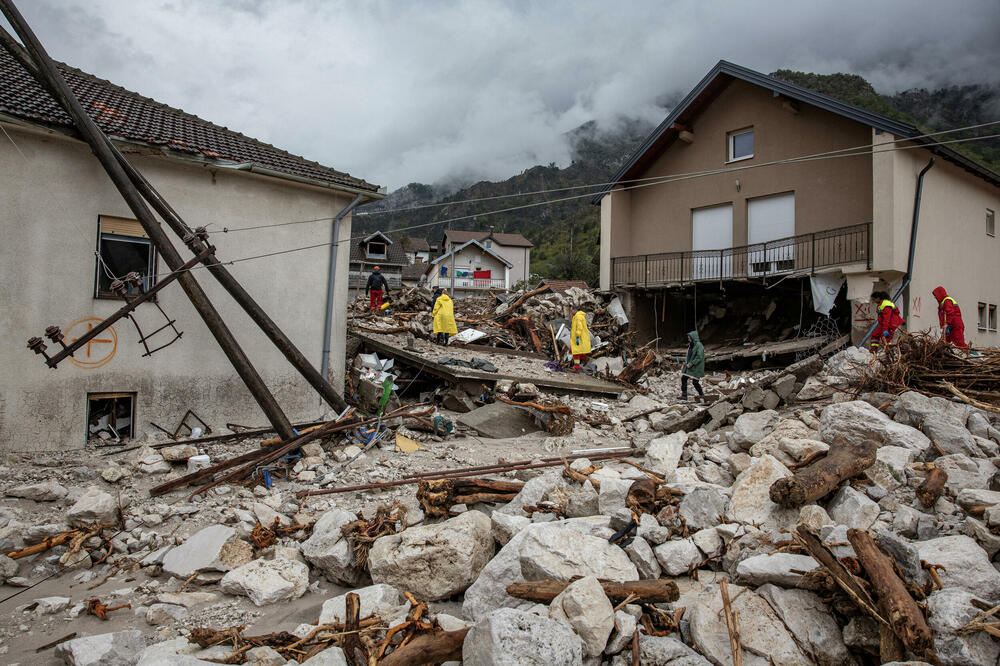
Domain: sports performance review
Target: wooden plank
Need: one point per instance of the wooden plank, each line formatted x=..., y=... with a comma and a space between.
x=575, y=383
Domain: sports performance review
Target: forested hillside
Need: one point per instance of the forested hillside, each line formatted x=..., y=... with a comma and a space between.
x=566, y=232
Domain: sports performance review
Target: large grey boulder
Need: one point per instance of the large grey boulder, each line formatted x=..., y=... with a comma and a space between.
x=965, y=472
x=662, y=651
x=612, y=495
x=851, y=508
x=560, y=553
x=751, y=427
x=510, y=637
x=703, y=507
x=811, y=623
x=966, y=565
x=761, y=631
x=643, y=558
x=332, y=656
x=951, y=437
x=434, y=561
x=913, y=409
x=848, y=364
x=267, y=581
x=677, y=557
x=584, y=606
x=505, y=526
x=533, y=492
x=46, y=491
x=121, y=648
x=857, y=420
x=751, y=501
x=949, y=609
x=774, y=568
x=330, y=552
x=205, y=550
x=664, y=453
x=94, y=506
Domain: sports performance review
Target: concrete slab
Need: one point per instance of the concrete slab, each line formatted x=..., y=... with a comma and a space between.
x=500, y=421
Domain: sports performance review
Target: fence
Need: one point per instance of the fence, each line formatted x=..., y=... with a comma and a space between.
x=804, y=253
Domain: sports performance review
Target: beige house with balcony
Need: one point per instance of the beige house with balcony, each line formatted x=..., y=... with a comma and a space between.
x=752, y=182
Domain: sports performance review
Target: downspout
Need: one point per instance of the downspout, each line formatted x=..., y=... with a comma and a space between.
x=328, y=321
x=913, y=248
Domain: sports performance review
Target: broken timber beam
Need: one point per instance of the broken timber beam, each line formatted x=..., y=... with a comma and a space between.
x=902, y=612
x=652, y=591
x=433, y=648
x=52, y=81
x=932, y=486
x=821, y=477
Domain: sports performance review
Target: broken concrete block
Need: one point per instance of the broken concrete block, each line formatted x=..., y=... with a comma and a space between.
x=499, y=420
x=751, y=502
x=664, y=453
x=46, y=491
x=676, y=558
x=94, y=506
x=267, y=581
x=643, y=558
x=585, y=607
x=703, y=507
x=434, y=561
x=751, y=427
x=120, y=648
x=510, y=637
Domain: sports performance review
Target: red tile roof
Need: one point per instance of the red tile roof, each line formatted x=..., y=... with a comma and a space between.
x=127, y=115
x=515, y=240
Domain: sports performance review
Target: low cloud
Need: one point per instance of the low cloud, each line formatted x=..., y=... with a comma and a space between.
x=397, y=92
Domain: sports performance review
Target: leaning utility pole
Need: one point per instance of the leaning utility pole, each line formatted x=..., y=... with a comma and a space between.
x=52, y=81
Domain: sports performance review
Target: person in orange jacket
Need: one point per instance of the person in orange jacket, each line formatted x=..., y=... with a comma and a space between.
x=889, y=320
x=950, y=318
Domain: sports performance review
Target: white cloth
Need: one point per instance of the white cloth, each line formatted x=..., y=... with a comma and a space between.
x=825, y=288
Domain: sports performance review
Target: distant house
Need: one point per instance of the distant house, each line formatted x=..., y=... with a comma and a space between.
x=415, y=274
x=416, y=249
x=470, y=268
x=512, y=248
x=376, y=249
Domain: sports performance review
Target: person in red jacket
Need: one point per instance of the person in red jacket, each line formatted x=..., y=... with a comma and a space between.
x=950, y=318
x=889, y=320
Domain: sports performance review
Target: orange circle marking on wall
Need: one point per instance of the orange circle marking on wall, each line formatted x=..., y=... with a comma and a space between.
x=98, y=351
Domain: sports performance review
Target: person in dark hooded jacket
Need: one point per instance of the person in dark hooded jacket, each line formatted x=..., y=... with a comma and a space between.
x=377, y=285
x=694, y=365
x=950, y=318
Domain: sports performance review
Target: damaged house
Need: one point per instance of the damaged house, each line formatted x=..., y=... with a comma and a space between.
x=68, y=234
x=761, y=244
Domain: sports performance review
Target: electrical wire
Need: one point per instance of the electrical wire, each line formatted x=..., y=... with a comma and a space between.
x=661, y=181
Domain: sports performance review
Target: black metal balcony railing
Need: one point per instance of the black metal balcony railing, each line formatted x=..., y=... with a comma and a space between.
x=804, y=253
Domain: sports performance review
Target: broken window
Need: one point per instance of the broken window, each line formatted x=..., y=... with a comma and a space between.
x=123, y=248
x=112, y=414
x=982, y=317
x=740, y=145
x=993, y=318
x=991, y=229
x=376, y=250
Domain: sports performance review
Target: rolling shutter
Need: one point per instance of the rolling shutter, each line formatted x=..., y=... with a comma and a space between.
x=121, y=226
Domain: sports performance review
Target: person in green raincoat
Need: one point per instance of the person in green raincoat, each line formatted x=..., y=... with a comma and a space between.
x=694, y=365
x=444, y=318
x=579, y=339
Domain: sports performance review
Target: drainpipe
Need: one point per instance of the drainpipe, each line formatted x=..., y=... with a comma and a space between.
x=328, y=321
x=913, y=247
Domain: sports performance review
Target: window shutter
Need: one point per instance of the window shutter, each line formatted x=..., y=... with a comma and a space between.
x=122, y=227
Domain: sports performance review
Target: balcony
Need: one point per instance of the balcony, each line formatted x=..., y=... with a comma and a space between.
x=795, y=254
x=473, y=283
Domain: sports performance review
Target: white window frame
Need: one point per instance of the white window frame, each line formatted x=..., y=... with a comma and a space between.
x=730, y=144
x=991, y=223
x=981, y=316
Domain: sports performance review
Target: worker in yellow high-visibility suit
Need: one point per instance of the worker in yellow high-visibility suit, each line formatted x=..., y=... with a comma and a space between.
x=444, y=318
x=579, y=339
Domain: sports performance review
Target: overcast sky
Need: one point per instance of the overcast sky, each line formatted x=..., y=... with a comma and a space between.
x=404, y=91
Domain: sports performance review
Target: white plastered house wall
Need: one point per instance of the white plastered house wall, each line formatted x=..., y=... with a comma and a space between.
x=52, y=194
x=471, y=256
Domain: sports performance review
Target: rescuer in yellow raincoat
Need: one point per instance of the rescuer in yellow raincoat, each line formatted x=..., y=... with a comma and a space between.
x=579, y=339
x=444, y=318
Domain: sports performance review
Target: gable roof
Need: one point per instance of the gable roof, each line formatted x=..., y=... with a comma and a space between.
x=377, y=234
x=125, y=115
x=723, y=73
x=394, y=254
x=510, y=240
x=415, y=270
x=481, y=247
x=416, y=244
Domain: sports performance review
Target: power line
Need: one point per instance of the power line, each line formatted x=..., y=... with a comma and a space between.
x=659, y=181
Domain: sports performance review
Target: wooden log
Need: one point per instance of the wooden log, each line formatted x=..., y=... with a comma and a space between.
x=821, y=477
x=930, y=490
x=847, y=581
x=644, y=591
x=44, y=545
x=476, y=498
x=899, y=608
x=352, y=620
x=465, y=486
x=429, y=649
x=636, y=368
